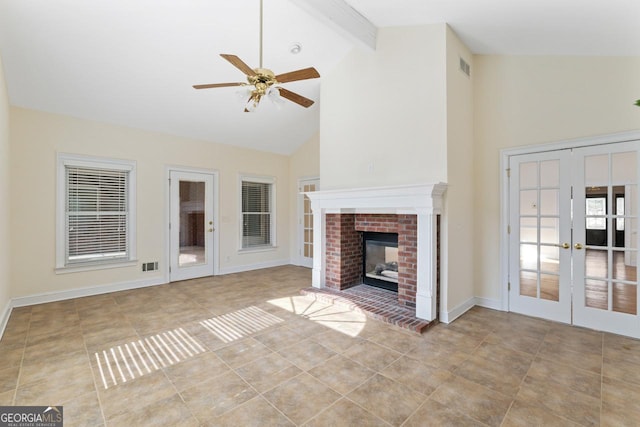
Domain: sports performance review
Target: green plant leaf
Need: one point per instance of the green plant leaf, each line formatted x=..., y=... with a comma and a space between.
x=638, y=102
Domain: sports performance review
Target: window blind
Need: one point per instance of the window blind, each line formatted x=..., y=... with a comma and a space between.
x=96, y=214
x=256, y=214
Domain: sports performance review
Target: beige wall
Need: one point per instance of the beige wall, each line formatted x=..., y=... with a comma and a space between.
x=524, y=100
x=5, y=162
x=457, y=224
x=304, y=163
x=37, y=136
x=383, y=115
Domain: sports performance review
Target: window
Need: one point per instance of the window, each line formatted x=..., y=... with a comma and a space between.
x=620, y=213
x=258, y=195
x=96, y=212
x=596, y=206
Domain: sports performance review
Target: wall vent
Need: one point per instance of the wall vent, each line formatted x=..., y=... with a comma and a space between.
x=465, y=67
x=150, y=266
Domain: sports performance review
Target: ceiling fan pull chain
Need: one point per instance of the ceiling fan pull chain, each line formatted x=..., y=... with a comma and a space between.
x=261, y=19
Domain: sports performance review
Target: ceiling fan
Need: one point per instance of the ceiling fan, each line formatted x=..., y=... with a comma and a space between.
x=263, y=82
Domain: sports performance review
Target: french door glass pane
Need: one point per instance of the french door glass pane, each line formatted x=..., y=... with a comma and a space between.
x=192, y=223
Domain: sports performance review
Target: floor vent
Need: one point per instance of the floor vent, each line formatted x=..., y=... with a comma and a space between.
x=150, y=266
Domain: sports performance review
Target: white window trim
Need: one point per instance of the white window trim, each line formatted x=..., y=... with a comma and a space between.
x=64, y=159
x=264, y=180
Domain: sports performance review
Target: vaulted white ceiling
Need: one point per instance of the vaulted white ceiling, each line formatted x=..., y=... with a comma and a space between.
x=133, y=62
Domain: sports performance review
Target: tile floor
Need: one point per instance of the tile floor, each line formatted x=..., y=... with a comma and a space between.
x=247, y=349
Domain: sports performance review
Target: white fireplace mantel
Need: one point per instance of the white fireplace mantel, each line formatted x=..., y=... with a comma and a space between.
x=424, y=201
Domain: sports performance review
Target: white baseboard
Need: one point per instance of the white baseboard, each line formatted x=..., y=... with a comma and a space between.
x=4, y=317
x=459, y=310
x=494, y=304
x=84, y=292
x=250, y=267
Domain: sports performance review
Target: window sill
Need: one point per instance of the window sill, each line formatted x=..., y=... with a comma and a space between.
x=95, y=266
x=257, y=249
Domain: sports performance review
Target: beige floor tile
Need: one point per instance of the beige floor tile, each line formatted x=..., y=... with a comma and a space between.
x=622, y=370
x=10, y=356
x=515, y=340
x=83, y=411
x=6, y=398
x=523, y=414
x=561, y=401
x=58, y=385
x=9, y=378
x=167, y=412
x=53, y=346
x=397, y=340
x=371, y=355
x=301, y=398
x=257, y=412
x=576, y=339
x=139, y=392
x=216, y=396
x=242, y=352
x=279, y=338
x=437, y=356
x=336, y=341
x=387, y=399
x=613, y=416
x=346, y=413
x=416, y=375
x=38, y=370
x=196, y=369
x=473, y=400
x=268, y=372
x=434, y=414
x=341, y=374
x=558, y=353
x=469, y=327
x=501, y=377
x=452, y=340
x=307, y=354
x=503, y=355
x=621, y=396
x=570, y=376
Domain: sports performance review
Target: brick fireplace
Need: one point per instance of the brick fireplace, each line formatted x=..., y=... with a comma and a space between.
x=344, y=256
x=342, y=216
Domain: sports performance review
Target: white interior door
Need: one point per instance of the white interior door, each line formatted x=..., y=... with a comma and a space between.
x=191, y=225
x=540, y=235
x=605, y=249
x=305, y=222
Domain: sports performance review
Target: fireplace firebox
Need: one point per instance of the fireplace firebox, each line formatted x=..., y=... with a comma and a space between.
x=380, y=260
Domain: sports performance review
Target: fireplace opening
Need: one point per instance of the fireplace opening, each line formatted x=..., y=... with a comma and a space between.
x=380, y=260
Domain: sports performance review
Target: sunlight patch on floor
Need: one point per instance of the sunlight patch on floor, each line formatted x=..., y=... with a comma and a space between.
x=332, y=316
x=123, y=363
x=239, y=324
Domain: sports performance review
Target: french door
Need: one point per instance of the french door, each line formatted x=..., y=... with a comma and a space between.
x=191, y=225
x=573, y=236
x=305, y=221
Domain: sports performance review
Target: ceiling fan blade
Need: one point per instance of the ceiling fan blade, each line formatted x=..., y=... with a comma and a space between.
x=298, y=99
x=239, y=64
x=304, y=74
x=210, y=86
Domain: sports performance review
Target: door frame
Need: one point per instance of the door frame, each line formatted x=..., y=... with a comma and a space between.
x=505, y=154
x=300, y=218
x=167, y=216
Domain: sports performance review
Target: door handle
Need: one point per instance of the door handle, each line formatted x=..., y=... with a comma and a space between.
x=565, y=246
x=211, y=230
x=577, y=246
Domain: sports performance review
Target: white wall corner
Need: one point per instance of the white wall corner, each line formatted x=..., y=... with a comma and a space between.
x=459, y=310
x=492, y=303
x=4, y=317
